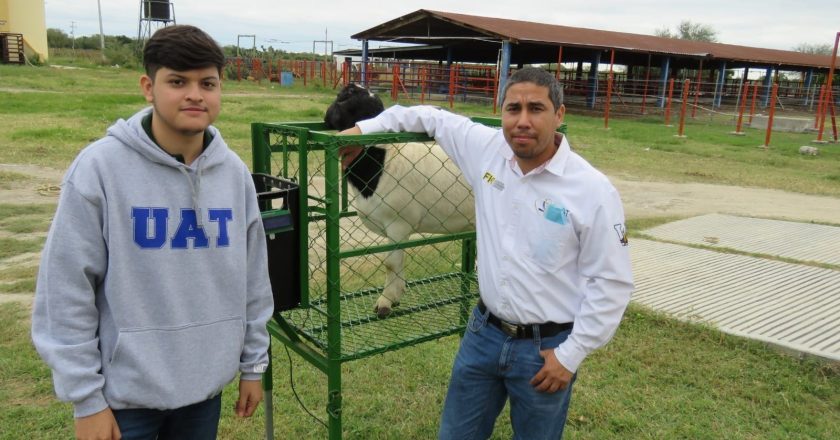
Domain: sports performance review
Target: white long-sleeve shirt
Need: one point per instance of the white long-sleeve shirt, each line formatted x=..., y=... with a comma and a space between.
x=551, y=244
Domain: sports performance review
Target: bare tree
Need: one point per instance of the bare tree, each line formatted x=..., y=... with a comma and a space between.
x=815, y=49
x=687, y=30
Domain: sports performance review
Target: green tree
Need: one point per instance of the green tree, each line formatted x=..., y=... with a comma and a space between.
x=815, y=49
x=57, y=38
x=687, y=30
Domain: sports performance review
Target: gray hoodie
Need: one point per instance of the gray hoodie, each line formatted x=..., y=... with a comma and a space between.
x=153, y=288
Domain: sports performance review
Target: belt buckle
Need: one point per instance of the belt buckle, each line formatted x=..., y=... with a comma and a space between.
x=511, y=329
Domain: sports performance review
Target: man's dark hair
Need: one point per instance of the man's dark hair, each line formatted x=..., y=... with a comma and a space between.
x=541, y=78
x=181, y=48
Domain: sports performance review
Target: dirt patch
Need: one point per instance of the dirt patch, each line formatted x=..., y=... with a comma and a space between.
x=655, y=199
x=40, y=186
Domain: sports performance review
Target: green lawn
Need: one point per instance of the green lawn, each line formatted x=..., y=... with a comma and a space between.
x=659, y=378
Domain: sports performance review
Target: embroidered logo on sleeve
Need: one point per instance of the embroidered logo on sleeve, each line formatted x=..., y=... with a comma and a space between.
x=622, y=233
x=491, y=179
x=260, y=368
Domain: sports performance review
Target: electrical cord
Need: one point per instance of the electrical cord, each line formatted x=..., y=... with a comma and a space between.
x=294, y=391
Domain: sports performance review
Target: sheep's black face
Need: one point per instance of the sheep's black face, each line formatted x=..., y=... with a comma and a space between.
x=353, y=104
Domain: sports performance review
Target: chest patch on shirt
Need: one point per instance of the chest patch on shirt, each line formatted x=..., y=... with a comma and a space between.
x=491, y=179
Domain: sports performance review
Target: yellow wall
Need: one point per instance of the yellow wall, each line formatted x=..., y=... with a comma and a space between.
x=4, y=16
x=26, y=17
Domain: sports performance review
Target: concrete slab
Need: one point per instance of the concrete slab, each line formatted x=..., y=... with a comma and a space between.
x=799, y=241
x=797, y=125
x=793, y=306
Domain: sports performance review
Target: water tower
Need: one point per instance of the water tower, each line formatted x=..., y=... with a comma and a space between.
x=154, y=14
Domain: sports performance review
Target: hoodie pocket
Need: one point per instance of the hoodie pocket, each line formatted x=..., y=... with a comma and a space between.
x=171, y=367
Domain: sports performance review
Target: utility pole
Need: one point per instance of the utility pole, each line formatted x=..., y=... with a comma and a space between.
x=101, y=35
x=73, y=37
x=326, y=43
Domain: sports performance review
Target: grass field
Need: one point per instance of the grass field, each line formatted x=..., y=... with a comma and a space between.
x=658, y=379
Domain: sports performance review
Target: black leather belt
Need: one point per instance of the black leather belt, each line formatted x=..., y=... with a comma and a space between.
x=522, y=331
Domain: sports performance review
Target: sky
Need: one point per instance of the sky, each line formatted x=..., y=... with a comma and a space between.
x=297, y=26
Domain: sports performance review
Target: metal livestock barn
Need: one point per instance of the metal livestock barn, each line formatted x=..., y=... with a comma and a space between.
x=446, y=37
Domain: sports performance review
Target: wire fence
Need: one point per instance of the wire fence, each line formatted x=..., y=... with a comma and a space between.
x=612, y=94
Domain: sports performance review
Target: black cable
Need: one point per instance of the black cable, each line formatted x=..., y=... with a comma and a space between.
x=292, y=383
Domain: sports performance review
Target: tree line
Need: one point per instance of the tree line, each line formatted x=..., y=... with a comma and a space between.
x=688, y=30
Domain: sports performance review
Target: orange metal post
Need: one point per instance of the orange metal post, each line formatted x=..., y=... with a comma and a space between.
x=345, y=72
x=239, y=69
x=495, y=89
x=772, y=112
x=609, y=91
x=452, y=86
x=819, y=107
x=668, y=103
x=685, y=96
x=697, y=90
x=395, y=70
x=741, y=109
x=752, y=105
x=647, y=80
x=559, y=61
x=828, y=85
x=833, y=117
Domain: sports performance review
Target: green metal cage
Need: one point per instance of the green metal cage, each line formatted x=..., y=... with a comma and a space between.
x=340, y=263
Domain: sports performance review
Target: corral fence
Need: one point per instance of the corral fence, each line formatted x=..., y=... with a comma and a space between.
x=633, y=93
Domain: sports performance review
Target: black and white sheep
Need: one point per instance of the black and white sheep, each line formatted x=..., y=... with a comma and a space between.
x=399, y=190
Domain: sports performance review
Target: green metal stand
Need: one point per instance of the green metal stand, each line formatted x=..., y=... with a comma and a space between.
x=331, y=326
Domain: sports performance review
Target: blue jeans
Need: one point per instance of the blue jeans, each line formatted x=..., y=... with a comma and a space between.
x=199, y=421
x=490, y=367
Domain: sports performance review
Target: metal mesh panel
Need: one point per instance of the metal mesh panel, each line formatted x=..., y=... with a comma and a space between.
x=438, y=288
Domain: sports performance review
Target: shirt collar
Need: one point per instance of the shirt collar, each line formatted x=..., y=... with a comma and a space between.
x=556, y=165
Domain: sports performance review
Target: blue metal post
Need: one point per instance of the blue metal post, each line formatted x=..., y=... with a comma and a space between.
x=721, y=82
x=593, y=80
x=768, y=83
x=364, y=63
x=663, y=78
x=809, y=78
x=503, y=74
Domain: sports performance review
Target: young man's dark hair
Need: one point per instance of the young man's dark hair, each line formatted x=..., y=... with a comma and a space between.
x=541, y=78
x=181, y=47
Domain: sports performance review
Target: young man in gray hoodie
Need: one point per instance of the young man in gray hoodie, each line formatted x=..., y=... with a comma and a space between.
x=153, y=289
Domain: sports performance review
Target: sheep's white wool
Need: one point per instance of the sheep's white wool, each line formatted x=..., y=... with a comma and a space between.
x=420, y=191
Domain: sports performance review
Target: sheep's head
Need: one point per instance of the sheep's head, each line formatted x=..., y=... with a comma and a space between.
x=353, y=104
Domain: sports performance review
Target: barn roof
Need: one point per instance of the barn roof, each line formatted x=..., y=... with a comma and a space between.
x=474, y=38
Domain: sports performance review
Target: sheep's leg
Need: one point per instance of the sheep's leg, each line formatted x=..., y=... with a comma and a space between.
x=394, y=284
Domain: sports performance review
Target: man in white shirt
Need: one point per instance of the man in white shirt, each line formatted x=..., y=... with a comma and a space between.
x=554, y=268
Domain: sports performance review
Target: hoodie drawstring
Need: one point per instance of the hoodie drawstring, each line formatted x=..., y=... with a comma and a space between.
x=195, y=187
